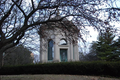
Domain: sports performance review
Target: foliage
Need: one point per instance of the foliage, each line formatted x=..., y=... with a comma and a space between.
x=96, y=68
x=18, y=55
x=105, y=47
x=116, y=54
x=92, y=55
x=82, y=56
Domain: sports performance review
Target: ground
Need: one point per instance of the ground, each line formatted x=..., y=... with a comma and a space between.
x=53, y=77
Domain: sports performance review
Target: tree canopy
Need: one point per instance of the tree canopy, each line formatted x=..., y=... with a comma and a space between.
x=18, y=55
x=105, y=41
x=106, y=48
x=19, y=16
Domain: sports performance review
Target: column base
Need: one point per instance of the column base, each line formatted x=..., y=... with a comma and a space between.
x=56, y=61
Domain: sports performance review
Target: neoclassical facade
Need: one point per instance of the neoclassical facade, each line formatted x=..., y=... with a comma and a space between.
x=57, y=43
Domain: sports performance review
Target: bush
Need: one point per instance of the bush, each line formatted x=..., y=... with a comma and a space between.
x=97, y=68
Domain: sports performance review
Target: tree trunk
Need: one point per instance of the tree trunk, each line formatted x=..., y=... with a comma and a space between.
x=1, y=58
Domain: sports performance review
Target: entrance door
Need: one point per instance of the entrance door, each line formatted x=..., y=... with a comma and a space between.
x=63, y=55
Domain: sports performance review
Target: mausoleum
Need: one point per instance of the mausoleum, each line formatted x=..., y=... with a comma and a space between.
x=58, y=41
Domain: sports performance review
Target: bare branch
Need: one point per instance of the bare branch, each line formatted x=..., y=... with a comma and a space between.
x=33, y=4
x=22, y=16
x=19, y=8
x=6, y=15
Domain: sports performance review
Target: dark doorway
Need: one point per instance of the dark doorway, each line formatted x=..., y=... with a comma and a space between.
x=63, y=55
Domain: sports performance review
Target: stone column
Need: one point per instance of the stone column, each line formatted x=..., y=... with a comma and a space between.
x=71, y=52
x=76, y=53
x=41, y=57
x=43, y=51
x=56, y=50
x=40, y=49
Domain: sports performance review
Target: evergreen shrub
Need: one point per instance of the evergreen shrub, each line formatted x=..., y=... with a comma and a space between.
x=97, y=68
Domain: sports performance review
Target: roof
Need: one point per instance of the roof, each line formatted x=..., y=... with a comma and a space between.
x=65, y=25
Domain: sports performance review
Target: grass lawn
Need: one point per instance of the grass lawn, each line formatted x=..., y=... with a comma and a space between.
x=52, y=77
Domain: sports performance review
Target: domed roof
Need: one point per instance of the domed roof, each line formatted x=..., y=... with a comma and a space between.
x=65, y=26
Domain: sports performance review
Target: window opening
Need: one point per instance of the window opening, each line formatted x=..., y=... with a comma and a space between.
x=50, y=50
x=63, y=42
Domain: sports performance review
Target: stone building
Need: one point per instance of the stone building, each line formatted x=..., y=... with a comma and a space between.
x=58, y=41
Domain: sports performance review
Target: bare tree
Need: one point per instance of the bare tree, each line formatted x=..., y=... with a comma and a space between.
x=19, y=16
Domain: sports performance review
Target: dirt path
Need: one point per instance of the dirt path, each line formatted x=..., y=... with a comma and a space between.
x=52, y=77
